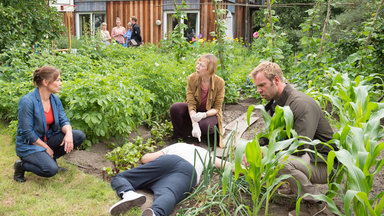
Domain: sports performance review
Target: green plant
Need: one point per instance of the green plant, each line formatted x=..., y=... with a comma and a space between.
x=265, y=163
x=210, y=197
x=24, y=25
x=103, y=110
x=219, y=33
x=160, y=132
x=126, y=156
x=271, y=42
x=358, y=139
x=177, y=41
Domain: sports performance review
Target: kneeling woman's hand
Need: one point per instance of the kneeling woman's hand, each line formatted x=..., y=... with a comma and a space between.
x=196, y=132
x=68, y=142
x=198, y=116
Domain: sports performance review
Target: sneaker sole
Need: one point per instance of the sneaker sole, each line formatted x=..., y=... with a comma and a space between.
x=122, y=207
x=148, y=212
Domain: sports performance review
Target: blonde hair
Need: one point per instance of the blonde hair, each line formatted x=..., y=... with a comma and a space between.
x=104, y=24
x=45, y=72
x=270, y=70
x=129, y=24
x=211, y=61
x=118, y=19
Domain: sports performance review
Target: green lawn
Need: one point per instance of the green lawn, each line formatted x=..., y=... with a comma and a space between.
x=69, y=193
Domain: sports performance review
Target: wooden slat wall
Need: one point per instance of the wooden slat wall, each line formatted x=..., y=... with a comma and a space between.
x=72, y=20
x=207, y=17
x=240, y=20
x=147, y=12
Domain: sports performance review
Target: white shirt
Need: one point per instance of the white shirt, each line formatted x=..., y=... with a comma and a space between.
x=196, y=156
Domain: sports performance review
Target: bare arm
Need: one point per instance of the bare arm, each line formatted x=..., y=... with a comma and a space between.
x=219, y=163
x=151, y=156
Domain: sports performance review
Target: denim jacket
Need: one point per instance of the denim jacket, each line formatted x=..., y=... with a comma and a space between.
x=32, y=124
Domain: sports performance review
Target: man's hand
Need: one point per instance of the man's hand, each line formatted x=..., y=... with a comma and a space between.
x=196, y=132
x=198, y=116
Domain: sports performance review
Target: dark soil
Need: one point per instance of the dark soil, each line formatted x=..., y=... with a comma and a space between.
x=93, y=162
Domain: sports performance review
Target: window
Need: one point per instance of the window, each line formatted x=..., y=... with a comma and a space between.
x=192, y=21
x=88, y=22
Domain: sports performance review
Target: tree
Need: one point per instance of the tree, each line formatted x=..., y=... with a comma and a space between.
x=26, y=23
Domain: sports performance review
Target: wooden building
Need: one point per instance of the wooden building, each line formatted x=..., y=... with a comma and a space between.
x=155, y=17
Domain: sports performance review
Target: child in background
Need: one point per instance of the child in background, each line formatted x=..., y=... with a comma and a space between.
x=128, y=34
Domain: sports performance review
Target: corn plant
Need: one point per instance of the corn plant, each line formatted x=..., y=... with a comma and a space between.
x=265, y=163
x=358, y=139
x=350, y=99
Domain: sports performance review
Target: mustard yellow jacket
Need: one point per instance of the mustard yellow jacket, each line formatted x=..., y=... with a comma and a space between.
x=215, y=97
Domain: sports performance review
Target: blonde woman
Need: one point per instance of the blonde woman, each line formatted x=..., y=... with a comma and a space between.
x=203, y=109
x=118, y=32
x=105, y=34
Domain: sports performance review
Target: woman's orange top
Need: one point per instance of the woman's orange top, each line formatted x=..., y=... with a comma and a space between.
x=49, y=119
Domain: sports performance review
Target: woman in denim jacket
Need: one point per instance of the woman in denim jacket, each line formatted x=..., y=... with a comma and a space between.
x=43, y=131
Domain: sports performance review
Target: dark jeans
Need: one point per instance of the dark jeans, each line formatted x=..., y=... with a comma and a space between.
x=41, y=163
x=169, y=177
x=182, y=125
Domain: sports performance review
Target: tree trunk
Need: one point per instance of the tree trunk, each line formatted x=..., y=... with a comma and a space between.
x=218, y=34
x=271, y=23
x=325, y=27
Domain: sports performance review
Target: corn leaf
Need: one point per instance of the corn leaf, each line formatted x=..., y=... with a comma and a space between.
x=356, y=177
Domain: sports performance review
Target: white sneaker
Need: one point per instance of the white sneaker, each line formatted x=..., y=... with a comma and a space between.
x=148, y=212
x=130, y=199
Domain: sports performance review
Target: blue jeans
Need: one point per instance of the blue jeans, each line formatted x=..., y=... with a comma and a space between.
x=41, y=163
x=169, y=177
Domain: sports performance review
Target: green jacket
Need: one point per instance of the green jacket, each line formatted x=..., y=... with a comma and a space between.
x=309, y=119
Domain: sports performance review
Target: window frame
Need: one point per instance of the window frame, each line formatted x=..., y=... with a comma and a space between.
x=165, y=21
x=92, y=17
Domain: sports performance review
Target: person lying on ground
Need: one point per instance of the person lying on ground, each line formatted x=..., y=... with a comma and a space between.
x=309, y=121
x=170, y=173
x=43, y=130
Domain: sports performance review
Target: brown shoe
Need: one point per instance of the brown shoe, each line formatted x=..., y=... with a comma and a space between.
x=309, y=209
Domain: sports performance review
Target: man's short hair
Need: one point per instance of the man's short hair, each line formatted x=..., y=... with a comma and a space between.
x=134, y=18
x=270, y=70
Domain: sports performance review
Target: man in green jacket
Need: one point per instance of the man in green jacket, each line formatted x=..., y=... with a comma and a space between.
x=309, y=121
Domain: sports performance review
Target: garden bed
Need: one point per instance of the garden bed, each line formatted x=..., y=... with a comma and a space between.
x=92, y=162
